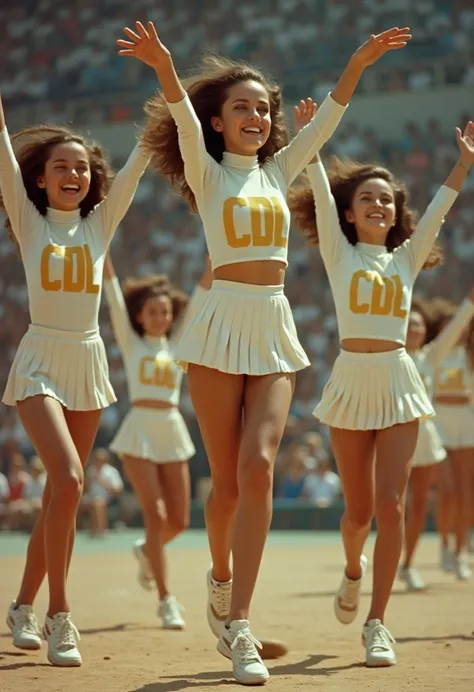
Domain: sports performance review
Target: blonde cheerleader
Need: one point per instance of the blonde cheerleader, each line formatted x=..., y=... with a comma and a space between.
x=429, y=452
x=453, y=391
x=373, y=252
x=62, y=212
x=153, y=441
x=222, y=143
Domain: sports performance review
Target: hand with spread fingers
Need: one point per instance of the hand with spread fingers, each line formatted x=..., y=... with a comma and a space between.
x=465, y=142
x=144, y=44
x=304, y=113
x=379, y=44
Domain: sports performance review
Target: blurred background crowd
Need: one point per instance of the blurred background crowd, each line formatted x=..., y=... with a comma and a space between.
x=59, y=65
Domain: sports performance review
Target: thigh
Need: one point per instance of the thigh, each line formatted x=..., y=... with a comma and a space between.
x=394, y=450
x=443, y=476
x=460, y=460
x=267, y=401
x=354, y=451
x=145, y=482
x=217, y=398
x=45, y=424
x=83, y=427
x=175, y=485
x=420, y=481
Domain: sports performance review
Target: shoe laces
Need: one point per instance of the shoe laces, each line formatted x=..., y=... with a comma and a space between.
x=26, y=620
x=246, y=645
x=350, y=591
x=221, y=595
x=379, y=638
x=64, y=632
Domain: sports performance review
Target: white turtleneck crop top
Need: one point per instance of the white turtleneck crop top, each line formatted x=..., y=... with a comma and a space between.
x=63, y=254
x=372, y=287
x=242, y=203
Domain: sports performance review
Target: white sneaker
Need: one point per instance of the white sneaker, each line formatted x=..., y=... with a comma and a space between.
x=411, y=578
x=62, y=637
x=447, y=559
x=219, y=594
x=144, y=576
x=461, y=567
x=238, y=643
x=24, y=627
x=170, y=611
x=346, y=603
x=378, y=645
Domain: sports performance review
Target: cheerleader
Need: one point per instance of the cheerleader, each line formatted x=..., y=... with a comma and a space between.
x=454, y=418
x=373, y=252
x=222, y=143
x=62, y=213
x=429, y=452
x=153, y=441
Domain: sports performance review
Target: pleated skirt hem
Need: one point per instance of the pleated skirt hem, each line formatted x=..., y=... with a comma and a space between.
x=242, y=329
x=67, y=366
x=158, y=435
x=373, y=391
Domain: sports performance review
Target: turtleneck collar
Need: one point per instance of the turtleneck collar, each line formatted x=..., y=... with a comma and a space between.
x=155, y=341
x=66, y=217
x=372, y=250
x=248, y=163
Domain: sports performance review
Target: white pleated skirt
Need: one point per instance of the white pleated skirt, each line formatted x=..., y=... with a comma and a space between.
x=241, y=329
x=455, y=423
x=158, y=435
x=429, y=448
x=68, y=366
x=373, y=391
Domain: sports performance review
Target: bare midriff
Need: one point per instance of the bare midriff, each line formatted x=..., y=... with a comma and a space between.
x=369, y=345
x=457, y=400
x=259, y=272
x=152, y=403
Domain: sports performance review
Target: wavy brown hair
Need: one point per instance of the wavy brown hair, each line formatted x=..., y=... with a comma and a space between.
x=424, y=308
x=34, y=147
x=345, y=176
x=136, y=292
x=444, y=310
x=207, y=89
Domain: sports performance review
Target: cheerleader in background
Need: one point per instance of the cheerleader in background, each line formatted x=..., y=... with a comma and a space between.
x=429, y=452
x=373, y=252
x=63, y=212
x=153, y=441
x=453, y=390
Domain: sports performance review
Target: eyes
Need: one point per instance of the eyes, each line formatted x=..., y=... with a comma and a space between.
x=263, y=110
x=385, y=199
x=80, y=169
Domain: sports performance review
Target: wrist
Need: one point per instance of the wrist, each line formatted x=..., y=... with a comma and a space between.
x=464, y=164
x=356, y=62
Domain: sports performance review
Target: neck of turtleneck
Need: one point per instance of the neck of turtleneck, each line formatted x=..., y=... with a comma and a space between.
x=66, y=217
x=248, y=163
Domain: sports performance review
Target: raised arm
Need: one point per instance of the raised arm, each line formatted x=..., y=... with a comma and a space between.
x=430, y=223
x=121, y=326
x=437, y=350
x=20, y=210
x=145, y=45
x=295, y=157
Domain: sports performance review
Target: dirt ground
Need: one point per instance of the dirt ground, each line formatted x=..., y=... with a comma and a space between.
x=125, y=651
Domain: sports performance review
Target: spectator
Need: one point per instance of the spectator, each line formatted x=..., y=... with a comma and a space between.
x=103, y=483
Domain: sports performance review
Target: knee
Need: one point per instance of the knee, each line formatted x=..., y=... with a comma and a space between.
x=68, y=486
x=256, y=473
x=389, y=508
x=154, y=515
x=358, y=518
x=225, y=494
x=178, y=523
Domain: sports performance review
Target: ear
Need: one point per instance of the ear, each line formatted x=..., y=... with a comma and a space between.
x=41, y=182
x=216, y=123
x=349, y=216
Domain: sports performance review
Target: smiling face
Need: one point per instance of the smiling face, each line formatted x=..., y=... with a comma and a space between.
x=156, y=316
x=372, y=211
x=245, y=120
x=67, y=176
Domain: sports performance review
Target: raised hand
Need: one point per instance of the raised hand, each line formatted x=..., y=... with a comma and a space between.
x=144, y=45
x=379, y=44
x=304, y=113
x=465, y=142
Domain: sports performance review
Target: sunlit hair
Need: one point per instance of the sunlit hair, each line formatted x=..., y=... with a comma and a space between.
x=136, y=292
x=33, y=149
x=345, y=176
x=207, y=89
